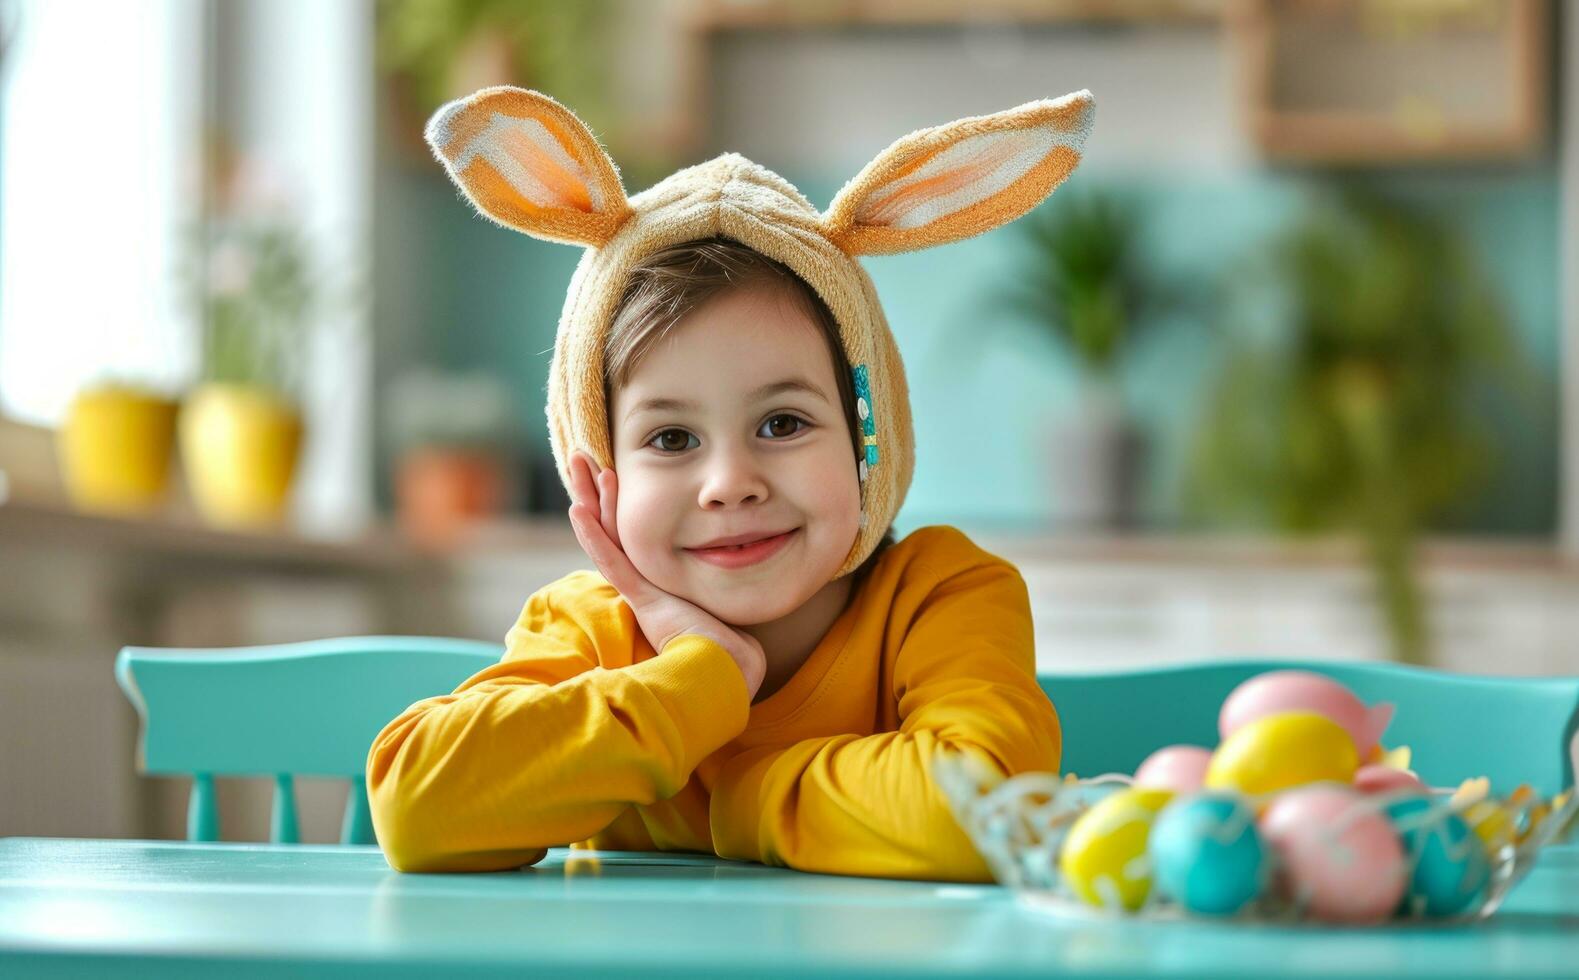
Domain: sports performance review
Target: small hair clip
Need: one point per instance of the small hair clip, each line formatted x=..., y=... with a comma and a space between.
x=864, y=412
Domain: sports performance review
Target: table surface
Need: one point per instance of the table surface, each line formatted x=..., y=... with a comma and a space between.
x=174, y=909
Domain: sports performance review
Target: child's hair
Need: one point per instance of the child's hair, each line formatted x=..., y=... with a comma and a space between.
x=670, y=283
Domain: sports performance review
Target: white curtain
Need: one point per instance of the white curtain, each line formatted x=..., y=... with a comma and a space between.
x=99, y=177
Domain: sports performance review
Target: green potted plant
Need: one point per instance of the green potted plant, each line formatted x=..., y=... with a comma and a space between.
x=1355, y=414
x=1082, y=284
x=258, y=298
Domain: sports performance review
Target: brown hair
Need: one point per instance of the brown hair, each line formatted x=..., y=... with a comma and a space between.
x=668, y=284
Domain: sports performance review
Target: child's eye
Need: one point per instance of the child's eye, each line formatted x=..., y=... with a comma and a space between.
x=665, y=441
x=784, y=425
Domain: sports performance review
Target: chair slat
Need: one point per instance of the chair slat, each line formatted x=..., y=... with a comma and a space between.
x=357, y=827
x=202, y=810
x=283, y=827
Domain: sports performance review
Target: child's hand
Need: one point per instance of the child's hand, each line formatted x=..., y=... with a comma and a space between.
x=662, y=616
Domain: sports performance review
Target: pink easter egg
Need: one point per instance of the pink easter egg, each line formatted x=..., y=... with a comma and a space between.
x=1373, y=780
x=1341, y=860
x=1180, y=768
x=1301, y=690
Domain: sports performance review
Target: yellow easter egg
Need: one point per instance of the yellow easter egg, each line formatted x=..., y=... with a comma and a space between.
x=1104, y=856
x=1290, y=748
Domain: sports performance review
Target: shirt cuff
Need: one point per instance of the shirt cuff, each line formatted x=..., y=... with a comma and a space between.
x=698, y=684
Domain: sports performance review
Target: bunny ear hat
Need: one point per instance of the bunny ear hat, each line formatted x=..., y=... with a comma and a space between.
x=528, y=163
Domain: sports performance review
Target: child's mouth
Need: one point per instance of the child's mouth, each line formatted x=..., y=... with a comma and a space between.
x=741, y=555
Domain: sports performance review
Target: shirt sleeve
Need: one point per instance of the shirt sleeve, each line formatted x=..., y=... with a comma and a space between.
x=547, y=747
x=846, y=804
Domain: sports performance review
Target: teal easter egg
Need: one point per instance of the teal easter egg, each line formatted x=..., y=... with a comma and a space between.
x=1450, y=866
x=1207, y=854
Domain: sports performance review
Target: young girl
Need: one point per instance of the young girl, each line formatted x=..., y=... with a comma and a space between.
x=756, y=670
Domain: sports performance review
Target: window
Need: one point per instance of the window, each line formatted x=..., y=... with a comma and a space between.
x=99, y=179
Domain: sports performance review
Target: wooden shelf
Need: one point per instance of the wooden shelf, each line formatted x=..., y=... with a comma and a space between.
x=381, y=552
x=780, y=14
x=1251, y=552
x=1326, y=81
x=384, y=550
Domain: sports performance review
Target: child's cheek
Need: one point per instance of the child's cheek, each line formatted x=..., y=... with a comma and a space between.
x=644, y=527
x=836, y=491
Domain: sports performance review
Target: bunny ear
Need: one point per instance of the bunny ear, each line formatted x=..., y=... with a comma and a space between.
x=528, y=163
x=951, y=182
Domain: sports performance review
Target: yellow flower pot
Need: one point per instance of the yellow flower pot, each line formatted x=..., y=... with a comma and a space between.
x=114, y=448
x=239, y=445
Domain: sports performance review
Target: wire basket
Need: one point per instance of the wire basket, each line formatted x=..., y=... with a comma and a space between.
x=1020, y=824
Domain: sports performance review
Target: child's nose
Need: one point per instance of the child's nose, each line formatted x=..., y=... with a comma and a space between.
x=733, y=477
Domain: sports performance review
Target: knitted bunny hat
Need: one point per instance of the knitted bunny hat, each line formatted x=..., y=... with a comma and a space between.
x=529, y=164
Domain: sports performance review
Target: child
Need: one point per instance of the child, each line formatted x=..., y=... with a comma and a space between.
x=756, y=669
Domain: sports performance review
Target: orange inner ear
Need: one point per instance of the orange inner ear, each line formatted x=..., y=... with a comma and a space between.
x=948, y=182
x=569, y=188
x=490, y=189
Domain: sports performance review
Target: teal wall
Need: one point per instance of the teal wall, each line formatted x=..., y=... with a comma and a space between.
x=465, y=294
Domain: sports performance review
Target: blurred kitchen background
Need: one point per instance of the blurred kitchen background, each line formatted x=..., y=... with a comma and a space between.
x=1280, y=371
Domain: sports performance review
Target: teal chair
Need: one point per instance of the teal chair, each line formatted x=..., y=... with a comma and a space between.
x=314, y=708
x=299, y=709
x=1510, y=729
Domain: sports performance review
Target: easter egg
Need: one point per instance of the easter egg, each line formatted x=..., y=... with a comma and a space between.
x=1279, y=691
x=1180, y=768
x=1104, y=855
x=1280, y=751
x=1207, y=854
x=1450, y=866
x=1375, y=780
x=1341, y=860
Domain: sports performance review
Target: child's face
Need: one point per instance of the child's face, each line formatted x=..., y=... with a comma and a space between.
x=735, y=462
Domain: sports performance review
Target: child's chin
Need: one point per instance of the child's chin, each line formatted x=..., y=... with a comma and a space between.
x=746, y=610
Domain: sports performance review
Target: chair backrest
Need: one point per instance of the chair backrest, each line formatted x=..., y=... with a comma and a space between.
x=298, y=709
x=313, y=709
x=1511, y=729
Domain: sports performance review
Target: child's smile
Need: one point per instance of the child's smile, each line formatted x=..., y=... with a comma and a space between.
x=746, y=553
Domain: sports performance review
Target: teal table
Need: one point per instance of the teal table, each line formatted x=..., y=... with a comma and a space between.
x=170, y=909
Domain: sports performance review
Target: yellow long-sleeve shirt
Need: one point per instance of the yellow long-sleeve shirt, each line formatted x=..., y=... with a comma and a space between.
x=583, y=735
